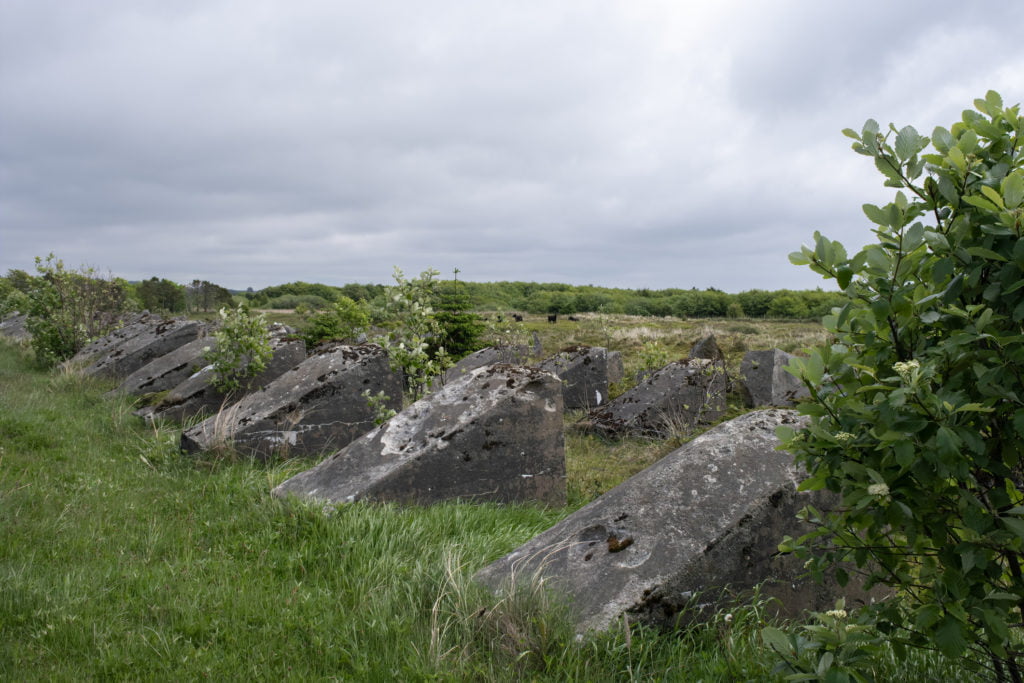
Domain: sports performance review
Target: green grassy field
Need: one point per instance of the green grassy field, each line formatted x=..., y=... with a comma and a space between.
x=121, y=559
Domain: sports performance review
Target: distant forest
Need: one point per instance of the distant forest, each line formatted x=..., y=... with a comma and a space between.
x=546, y=298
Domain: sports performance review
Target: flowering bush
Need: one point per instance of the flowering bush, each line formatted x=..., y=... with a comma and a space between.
x=917, y=408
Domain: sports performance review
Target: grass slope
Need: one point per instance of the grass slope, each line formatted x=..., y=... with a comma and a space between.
x=120, y=559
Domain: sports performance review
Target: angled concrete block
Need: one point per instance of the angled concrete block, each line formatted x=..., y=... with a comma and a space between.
x=584, y=374
x=616, y=369
x=167, y=371
x=703, y=523
x=707, y=347
x=315, y=407
x=196, y=396
x=514, y=355
x=140, y=349
x=680, y=395
x=13, y=327
x=495, y=434
x=765, y=381
x=130, y=326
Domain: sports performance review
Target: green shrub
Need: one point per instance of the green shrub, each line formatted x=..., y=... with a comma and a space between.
x=242, y=348
x=67, y=308
x=346, y=319
x=12, y=300
x=917, y=413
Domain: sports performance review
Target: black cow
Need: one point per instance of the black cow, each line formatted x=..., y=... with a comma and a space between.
x=518, y=318
x=553, y=318
x=574, y=319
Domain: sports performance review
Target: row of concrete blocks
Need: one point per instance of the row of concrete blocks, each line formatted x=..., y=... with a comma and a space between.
x=697, y=527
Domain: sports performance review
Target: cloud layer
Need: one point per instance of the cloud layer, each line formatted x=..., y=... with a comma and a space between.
x=644, y=144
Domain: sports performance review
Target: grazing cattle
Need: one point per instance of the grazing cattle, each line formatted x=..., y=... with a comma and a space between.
x=574, y=319
x=553, y=318
x=518, y=318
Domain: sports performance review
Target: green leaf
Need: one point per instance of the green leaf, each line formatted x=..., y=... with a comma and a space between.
x=942, y=139
x=993, y=196
x=825, y=664
x=877, y=258
x=812, y=368
x=927, y=615
x=994, y=101
x=913, y=237
x=947, y=441
x=1014, y=524
x=968, y=142
x=936, y=240
x=907, y=143
x=948, y=190
x=981, y=203
x=881, y=309
x=957, y=158
x=972, y=408
x=776, y=640
x=889, y=168
x=1013, y=189
x=988, y=129
x=843, y=277
x=982, y=252
x=876, y=215
x=949, y=636
x=798, y=258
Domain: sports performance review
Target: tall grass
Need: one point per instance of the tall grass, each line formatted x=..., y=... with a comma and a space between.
x=122, y=559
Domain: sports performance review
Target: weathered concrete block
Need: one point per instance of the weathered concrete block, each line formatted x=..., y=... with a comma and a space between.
x=616, y=368
x=707, y=347
x=494, y=434
x=144, y=347
x=584, y=374
x=131, y=325
x=680, y=395
x=765, y=381
x=13, y=327
x=704, y=522
x=196, y=395
x=169, y=370
x=314, y=407
x=513, y=355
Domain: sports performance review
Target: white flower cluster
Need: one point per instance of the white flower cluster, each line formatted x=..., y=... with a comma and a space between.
x=844, y=437
x=837, y=613
x=906, y=369
x=880, y=490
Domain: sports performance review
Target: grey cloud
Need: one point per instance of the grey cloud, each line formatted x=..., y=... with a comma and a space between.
x=619, y=144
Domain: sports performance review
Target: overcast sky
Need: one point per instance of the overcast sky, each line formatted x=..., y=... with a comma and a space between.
x=624, y=144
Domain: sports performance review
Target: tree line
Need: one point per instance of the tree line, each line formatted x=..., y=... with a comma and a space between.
x=547, y=298
x=165, y=296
